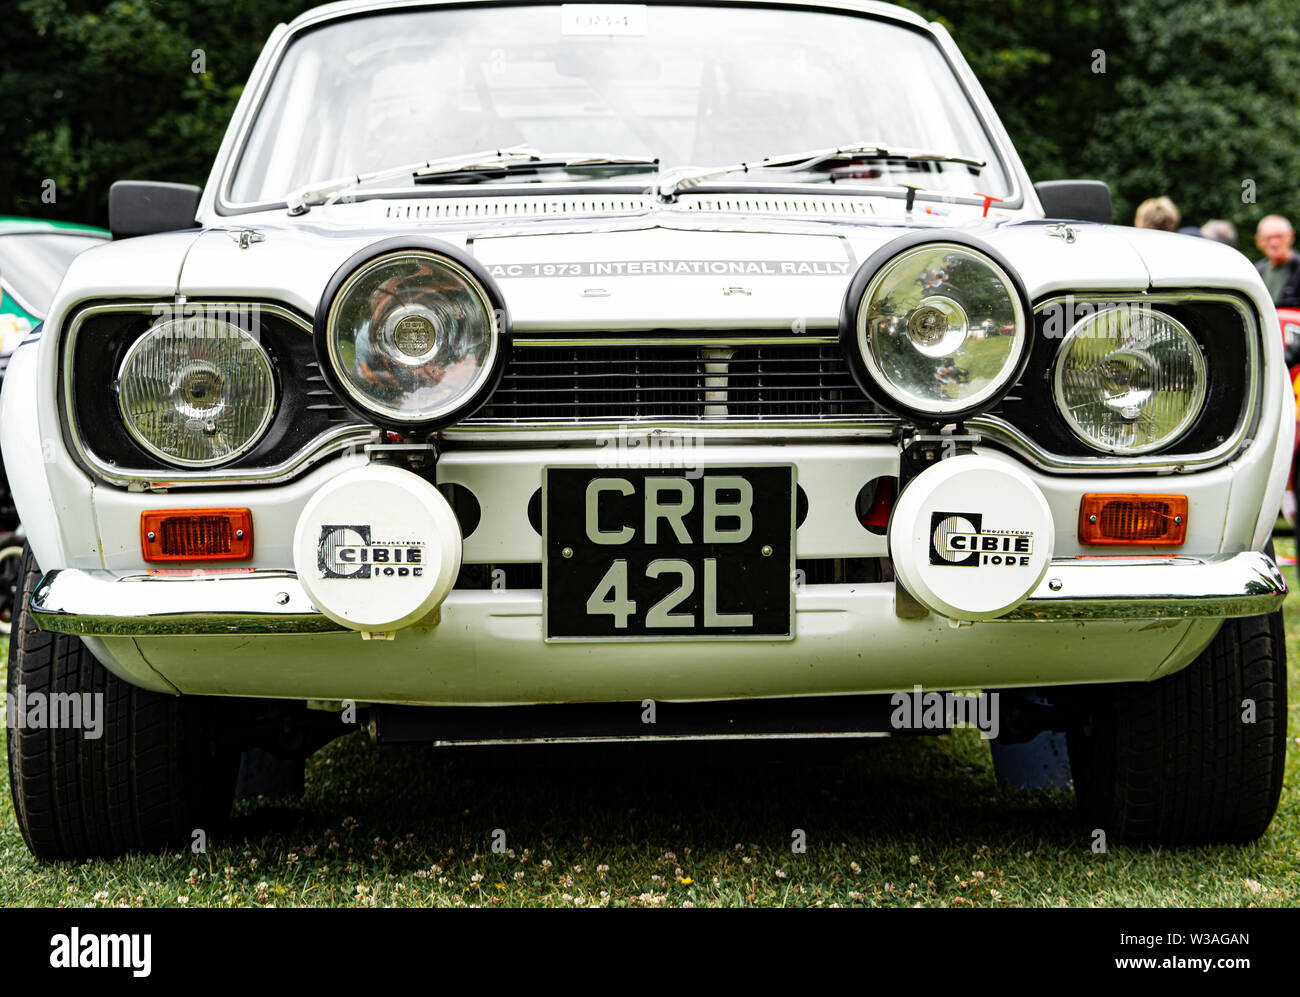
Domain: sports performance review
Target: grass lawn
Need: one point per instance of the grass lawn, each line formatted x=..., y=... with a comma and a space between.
x=901, y=823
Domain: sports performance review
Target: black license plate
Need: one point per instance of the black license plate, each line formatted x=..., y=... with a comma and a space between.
x=651, y=554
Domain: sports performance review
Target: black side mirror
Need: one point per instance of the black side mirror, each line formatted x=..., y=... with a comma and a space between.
x=143, y=207
x=1076, y=200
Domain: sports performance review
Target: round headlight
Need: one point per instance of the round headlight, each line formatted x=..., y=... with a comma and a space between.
x=1129, y=379
x=196, y=391
x=940, y=329
x=410, y=337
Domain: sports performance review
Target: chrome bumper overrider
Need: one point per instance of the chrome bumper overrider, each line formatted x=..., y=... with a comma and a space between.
x=100, y=603
x=105, y=604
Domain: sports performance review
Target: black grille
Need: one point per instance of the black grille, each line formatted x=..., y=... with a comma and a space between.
x=319, y=396
x=619, y=383
x=792, y=381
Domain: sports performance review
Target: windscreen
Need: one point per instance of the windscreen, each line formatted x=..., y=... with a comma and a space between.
x=689, y=86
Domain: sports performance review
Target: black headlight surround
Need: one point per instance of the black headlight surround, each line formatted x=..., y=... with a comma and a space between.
x=1216, y=326
x=853, y=301
x=460, y=258
x=304, y=410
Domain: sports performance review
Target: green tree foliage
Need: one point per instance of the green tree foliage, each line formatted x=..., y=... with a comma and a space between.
x=93, y=92
x=1199, y=101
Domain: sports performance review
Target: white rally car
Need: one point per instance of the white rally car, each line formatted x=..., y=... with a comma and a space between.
x=533, y=371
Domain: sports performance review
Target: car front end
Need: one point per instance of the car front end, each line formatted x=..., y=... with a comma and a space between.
x=677, y=403
x=621, y=435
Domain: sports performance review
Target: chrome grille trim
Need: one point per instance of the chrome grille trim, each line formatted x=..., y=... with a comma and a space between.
x=587, y=434
x=734, y=427
x=994, y=430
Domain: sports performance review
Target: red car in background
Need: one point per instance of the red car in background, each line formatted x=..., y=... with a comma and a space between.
x=1289, y=319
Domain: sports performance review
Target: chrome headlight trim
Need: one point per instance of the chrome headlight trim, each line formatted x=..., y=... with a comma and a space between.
x=483, y=290
x=1192, y=414
x=862, y=361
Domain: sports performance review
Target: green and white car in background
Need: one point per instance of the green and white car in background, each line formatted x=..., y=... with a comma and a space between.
x=34, y=255
x=535, y=372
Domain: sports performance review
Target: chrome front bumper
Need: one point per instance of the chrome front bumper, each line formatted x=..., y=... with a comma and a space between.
x=104, y=604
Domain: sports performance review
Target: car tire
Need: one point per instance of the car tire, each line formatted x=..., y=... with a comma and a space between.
x=11, y=558
x=154, y=776
x=1175, y=761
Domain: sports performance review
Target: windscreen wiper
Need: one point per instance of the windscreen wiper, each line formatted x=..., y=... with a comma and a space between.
x=300, y=201
x=673, y=181
x=535, y=164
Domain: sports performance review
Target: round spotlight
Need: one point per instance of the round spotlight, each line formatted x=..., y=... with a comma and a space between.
x=412, y=336
x=936, y=327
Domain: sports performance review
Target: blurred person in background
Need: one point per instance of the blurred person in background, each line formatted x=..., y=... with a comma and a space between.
x=1220, y=230
x=1280, y=267
x=1157, y=212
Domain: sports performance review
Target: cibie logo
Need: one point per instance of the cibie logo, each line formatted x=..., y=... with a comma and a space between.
x=959, y=539
x=346, y=551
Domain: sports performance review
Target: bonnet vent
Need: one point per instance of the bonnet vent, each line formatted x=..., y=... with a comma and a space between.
x=781, y=204
x=479, y=208
x=504, y=208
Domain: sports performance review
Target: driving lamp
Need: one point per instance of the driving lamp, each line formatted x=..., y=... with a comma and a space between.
x=939, y=328
x=196, y=391
x=1129, y=379
x=410, y=337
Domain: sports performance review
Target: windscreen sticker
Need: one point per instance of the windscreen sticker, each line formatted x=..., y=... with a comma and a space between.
x=602, y=19
x=660, y=268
